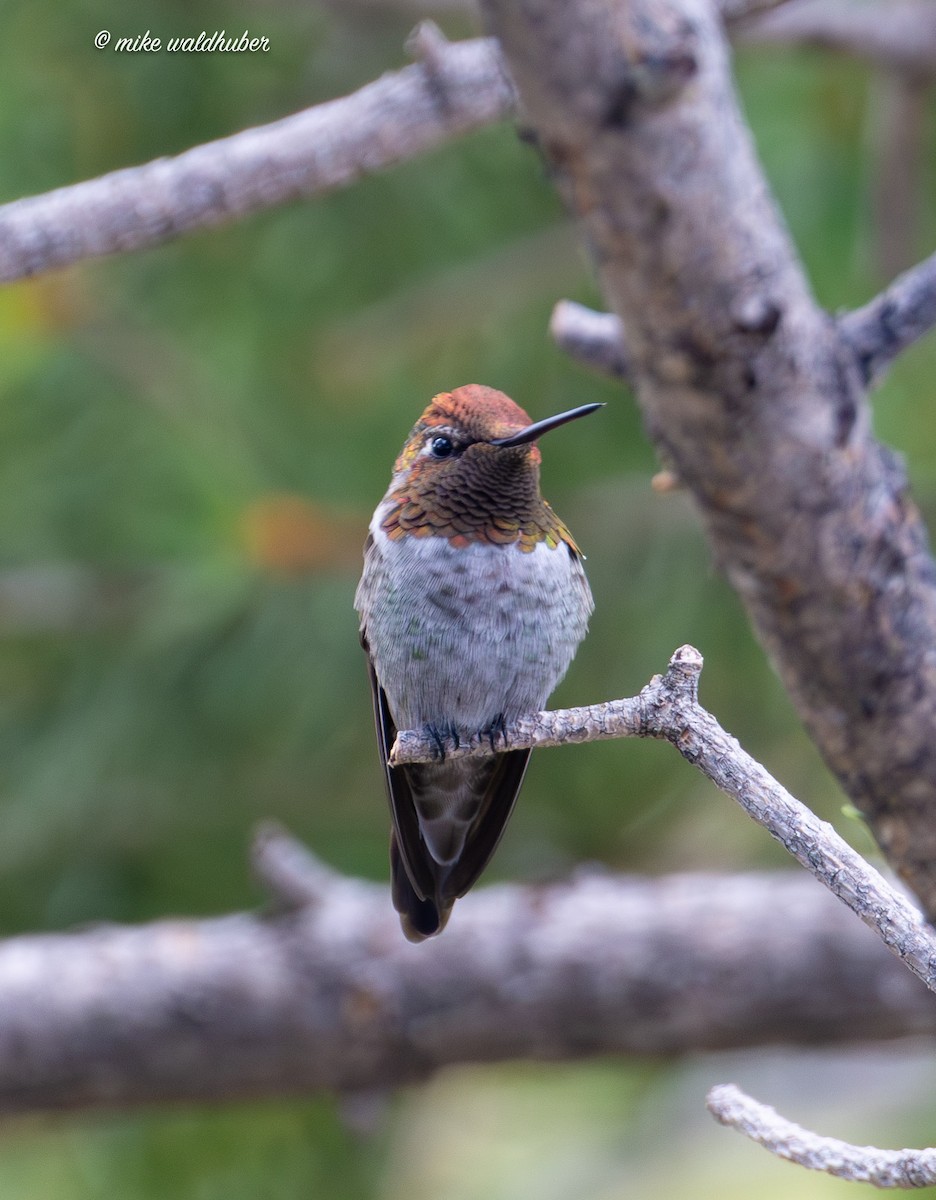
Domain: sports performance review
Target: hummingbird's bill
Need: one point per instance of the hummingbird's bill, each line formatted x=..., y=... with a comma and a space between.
x=538, y=428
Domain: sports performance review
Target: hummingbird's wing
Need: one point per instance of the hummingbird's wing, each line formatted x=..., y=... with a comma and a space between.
x=402, y=806
x=424, y=889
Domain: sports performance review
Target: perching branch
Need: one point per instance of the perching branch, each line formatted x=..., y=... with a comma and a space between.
x=857, y=1164
x=668, y=708
x=456, y=88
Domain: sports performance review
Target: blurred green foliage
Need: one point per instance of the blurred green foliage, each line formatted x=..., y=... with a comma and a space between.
x=191, y=442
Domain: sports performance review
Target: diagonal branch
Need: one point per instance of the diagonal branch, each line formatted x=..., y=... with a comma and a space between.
x=884, y=327
x=455, y=89
x=668, y=708
x=857, y=1164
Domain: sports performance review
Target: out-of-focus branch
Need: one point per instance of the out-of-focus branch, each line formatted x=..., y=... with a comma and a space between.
x=324, y=992
x=857, y=1164
x=885, y=326
x=899, y=38
x=750, y=392
x=67, y=597
x=898, y=119
x=900, y=34
x=595, y=339
x=740, y=10
x=876, y=333
x=456, y=88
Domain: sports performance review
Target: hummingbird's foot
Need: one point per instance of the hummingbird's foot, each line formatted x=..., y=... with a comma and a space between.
x=443, y=736
x=497, y=728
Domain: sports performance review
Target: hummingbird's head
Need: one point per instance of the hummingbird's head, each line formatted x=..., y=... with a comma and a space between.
x=470, y=471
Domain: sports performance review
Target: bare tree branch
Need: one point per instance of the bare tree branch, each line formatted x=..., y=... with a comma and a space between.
x=899, y=35
x=747, y=387
x=68, y=597
x=455, y=89
x=731, y=10
x=326, y=994
x=857, y=1164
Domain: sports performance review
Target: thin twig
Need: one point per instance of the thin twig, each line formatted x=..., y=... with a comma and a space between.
x=668, y=708
x=899, y=107
x=857, y=1164
x=457, y=88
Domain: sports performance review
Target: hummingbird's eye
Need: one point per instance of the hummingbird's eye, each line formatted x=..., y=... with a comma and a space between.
x=441, y=447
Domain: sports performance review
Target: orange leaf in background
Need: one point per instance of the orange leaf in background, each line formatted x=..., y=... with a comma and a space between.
x=288, y=534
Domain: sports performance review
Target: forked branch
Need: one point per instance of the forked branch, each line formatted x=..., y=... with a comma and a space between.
x=668, y=708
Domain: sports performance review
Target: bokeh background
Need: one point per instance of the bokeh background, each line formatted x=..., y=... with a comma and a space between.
x=191, y=442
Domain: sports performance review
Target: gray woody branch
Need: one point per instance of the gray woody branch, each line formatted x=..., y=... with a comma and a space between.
x=456, y=88
x=899, y=35
x=875, y=334
x=326, y=994
x=857, y=1164
x=751, y=393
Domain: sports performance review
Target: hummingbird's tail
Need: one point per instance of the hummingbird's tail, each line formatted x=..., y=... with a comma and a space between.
x=420, y=919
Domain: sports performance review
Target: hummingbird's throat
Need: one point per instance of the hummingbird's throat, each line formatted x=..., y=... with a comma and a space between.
x=492, y=504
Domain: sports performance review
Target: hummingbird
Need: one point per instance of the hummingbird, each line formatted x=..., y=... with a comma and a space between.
x=472, y=603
